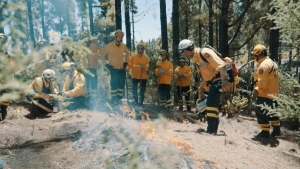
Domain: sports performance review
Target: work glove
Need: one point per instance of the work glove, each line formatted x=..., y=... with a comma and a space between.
x=166, y=72
x=160, y=72
x=255, y=94
x=143, y=67
x=201, y=92
x=194, y=88
x=225, y=83
x=125, y=65
x=62, y=93
x=109, y=67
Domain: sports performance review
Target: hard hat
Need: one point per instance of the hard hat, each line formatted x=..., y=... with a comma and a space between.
x=163, y=52
x=181, y=58
x=228, y=59
x=119, y=32
x=258, y=49
x=49, y=74
x=184, y=44
x=67, y=65
x=141, y=46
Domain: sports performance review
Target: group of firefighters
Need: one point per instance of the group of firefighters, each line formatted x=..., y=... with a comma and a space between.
x=214, y=80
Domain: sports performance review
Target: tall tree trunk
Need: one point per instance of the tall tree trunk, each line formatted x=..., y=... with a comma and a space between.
x=163, y=22
x=217, y=31
x=68, y=21
x=186, y=20
x=30, y=22
x=127, y=25
x=132, y=20
x=223, y=29
x=211, y=24
x=175, y=27
x=43, y=20
x=118, y=14
x=1, y=20
x=90, y=3
x=274, y=40
x=200, y=26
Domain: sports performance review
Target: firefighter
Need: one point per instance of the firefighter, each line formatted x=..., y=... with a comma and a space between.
x=139, y=65
x=164, y=72
x=92, y=63
x=43, y=61
x=42, y=86
x=266, y=86
x=10, y=62
x=214, y=73
x=115, y=52
x=182, y=76
x=74, y=87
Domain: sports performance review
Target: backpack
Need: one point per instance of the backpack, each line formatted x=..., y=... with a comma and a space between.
x=230, y=71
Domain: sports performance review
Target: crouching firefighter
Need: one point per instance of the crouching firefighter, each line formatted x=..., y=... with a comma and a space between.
x=74, y=87
x=214, y=73
x=41, y=99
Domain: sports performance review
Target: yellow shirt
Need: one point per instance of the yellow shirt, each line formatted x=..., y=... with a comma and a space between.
x=37, y=86
x=92, y=58
x=164, y=65
x=79, y=85
x=215, y=63
x=267, y=78
x=183, y=81
x=134, y=64
x=115, y=55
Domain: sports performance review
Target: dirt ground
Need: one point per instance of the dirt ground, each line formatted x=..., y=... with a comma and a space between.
x=104, y=139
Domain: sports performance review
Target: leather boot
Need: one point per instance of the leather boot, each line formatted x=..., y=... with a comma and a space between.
x=210, y=125
x=180, y=108
x=276, y=132
x=188, y=108
x=263, y=134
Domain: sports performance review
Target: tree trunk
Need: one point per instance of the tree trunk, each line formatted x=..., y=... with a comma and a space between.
x=132, y=20
x=200, y=26
x=274, y=40
x=118, y=14
x=223, y=29
x=211, y=24
x=1, y=20
x=127, y=25
x=175, y=27
x=186, y=20
x=163, y=22
x=30, y=22
x=90, y=3
x=43, y=20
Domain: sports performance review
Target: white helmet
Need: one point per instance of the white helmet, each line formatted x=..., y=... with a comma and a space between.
x=184, y=44
x=49, y=74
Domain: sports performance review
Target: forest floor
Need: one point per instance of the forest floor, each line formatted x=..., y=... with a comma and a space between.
x=106, y=139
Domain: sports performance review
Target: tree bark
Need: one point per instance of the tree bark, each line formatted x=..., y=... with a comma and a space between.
x=118, y=11
x=223, y=30
x=1, y=20
x=30, y=22
x=274, y=40
x=211, y=24
x=163, y=22
x=90, y=3
x=200, y=26
x=175, y=27
x=127, y=25
x=43, y=20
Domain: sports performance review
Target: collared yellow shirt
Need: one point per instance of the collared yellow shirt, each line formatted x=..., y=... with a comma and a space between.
x=183, y=81
x=115, y=55
x=164, y=65
x=135, y=65
x=37, y=86
x=267, y=78
x=211, y=69
x=79, y=85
